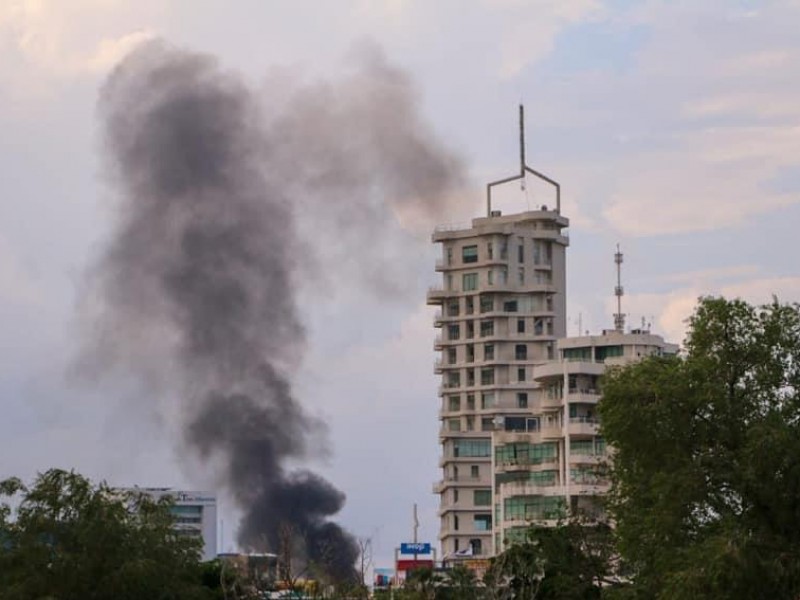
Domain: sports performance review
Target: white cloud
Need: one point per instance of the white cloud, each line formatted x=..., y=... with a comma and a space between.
x=72, y=38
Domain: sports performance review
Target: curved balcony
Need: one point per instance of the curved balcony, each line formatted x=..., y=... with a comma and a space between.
x=587, y=426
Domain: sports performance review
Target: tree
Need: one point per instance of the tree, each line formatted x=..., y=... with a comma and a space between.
x=66, y=539
x=706, y=469
x=572, y=560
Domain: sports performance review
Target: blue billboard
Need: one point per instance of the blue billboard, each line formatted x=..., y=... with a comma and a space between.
x=415, y=548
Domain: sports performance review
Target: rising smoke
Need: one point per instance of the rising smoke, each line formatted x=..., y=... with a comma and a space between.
x=202, y=271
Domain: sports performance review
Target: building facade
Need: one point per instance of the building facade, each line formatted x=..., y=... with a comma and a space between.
x=557, y=466
x=195, y=515
x=502, y=306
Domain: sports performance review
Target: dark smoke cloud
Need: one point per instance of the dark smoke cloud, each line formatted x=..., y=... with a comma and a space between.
x=202, y=271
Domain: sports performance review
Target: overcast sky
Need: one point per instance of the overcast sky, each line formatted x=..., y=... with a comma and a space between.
x=673, y=127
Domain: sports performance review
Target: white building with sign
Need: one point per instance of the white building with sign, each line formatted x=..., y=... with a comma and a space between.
x=195, y=515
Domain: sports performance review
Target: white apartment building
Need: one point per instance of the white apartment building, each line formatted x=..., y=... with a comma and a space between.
x=195, y=515
x=555, y=466
x=502, y=306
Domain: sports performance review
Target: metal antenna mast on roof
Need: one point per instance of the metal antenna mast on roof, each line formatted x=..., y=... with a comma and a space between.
x=523, y=169
x=619, y=318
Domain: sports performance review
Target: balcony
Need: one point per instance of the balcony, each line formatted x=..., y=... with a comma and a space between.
x=527, y=464
x=596, y=488
x=587, y=459
x=531, y=488
x=436, y=294
x=550, y=401
x=583, y=426
x=583, y=395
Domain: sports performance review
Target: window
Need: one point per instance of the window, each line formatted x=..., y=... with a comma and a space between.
x=448, y=281
x=487, y=328
x=469, y=254
x=487, y=376
x=604, y=352
x=522, y=400
x=455, y=545
x=520, y=325
x=451, y=356
x=454, y=403
x=521, y=374
x=482, y=497
x=455, y=495
x=470, y=329
x=521, y=352
x=454, y=379
x=551, y=352
x=469, y=282
x=455, y=522
x=474, y=472
x=477, y=547
x=488, y=352
x=515, y=423
x=452, y=307
x=510, y=306
x=482, y=522
x=470, y=305
x=520, y=249
x=549, y=303
x=538, y=327
x=504, y=250
x=470, y=377
x=487, y=304
x=489, y=251
x=454, y=424
x=490, y=277
x=470, y=350
x=487, y=400
x=449, y=258
x=470, y=401
x=521, y=275
x=453, y=331
x=504, y=276
x=470, y=423
x=528, y=508
x=472, y=448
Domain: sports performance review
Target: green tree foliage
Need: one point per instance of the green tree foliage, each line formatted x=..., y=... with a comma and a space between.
x=570, y=561
x=706, y=469
x=65, y=539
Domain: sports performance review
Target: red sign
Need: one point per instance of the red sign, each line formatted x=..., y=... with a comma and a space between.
x=409, y=565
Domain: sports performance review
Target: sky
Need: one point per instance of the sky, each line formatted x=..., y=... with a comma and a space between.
x=673, y=128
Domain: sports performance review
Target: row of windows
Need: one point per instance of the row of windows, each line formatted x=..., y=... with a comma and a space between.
x=542, y=252
x=480, y=522
x=470, y=448
x=487, y=377
x=544, y=478
x=525, y=453
x=479, y=497
x=469, y=281
x=533, y=508
x=541, y=326
x=487, y=303
x=488, y=401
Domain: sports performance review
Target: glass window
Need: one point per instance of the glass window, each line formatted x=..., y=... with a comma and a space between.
x=451, y=356
x=521, y=274
x=490, y=277
x=474, y=472
x=488, y=352
x=490, y=250
x=521, y=351
x=487, y=328
x=510, y=306
x=487, y=376
x=454, y=424
x=521, y=374
x=522, y=400
x=454, y=403
x=454, y=379
x=487, y=304
x=503, y=249
x=520, y=249
x=487, y=424
x=482, y=497
x=482, y=522
x=520, y=325
x=487, y=400
x=469, y=254
x=453, y=331
x=477, y=547
x=470, y=353
x=472, y=448
x=470, y=305
x=452, y=307
x=469, y=282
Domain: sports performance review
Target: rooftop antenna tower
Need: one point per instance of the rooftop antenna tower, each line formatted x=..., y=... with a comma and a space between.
x=523, y=169
x=619, y=317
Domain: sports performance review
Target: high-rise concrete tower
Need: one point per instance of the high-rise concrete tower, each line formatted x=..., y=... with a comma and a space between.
x=502, y=306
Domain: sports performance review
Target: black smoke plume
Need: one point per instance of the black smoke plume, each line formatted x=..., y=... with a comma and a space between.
x=200, y=277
